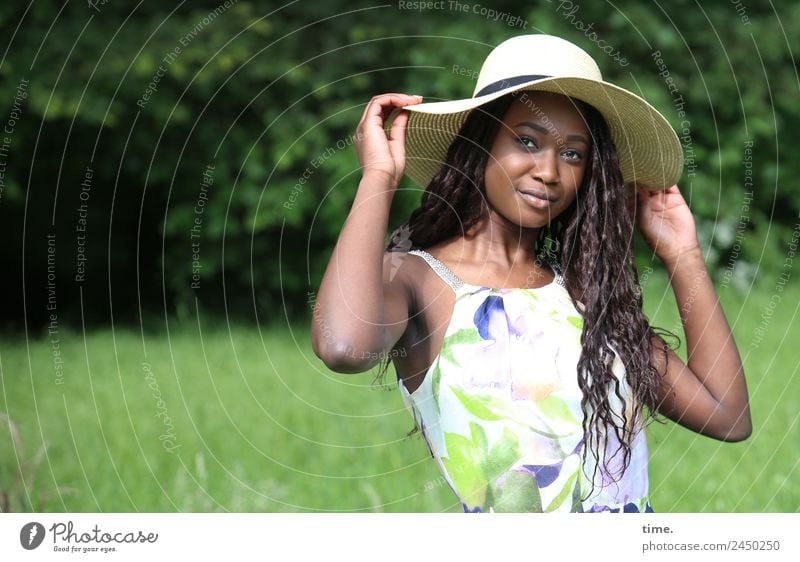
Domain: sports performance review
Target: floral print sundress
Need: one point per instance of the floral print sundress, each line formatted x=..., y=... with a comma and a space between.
x=500, y=407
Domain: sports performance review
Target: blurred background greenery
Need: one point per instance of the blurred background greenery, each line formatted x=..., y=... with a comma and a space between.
x=173, y=179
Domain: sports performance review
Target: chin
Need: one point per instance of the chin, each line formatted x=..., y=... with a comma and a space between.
x=528, y=223
x=527, y=218
x=537, y=219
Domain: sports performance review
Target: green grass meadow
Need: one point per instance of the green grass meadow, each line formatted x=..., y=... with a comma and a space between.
x=203, y=416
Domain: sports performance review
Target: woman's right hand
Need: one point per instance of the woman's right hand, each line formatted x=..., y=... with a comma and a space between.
x=376, y=152
x=361, y=310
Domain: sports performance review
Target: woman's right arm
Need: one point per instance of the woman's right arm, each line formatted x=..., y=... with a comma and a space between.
x=360, y=313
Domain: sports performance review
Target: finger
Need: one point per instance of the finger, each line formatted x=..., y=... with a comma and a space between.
x=642, y=192
x=397, y=140
x=397, y=132
x=648, y=198
x=388, y=110
x=381, y=106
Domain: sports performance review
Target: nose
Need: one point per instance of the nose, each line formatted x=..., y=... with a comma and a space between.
x=545, y=167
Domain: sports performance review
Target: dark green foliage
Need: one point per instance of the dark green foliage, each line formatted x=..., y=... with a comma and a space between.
x=267, y=94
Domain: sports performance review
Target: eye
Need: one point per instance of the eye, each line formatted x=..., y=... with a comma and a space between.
x=573, y=155
x=527, y=142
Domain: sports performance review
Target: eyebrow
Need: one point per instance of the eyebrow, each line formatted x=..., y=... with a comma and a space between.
x=546, y=131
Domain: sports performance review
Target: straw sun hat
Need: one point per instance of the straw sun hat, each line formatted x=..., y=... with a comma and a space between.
x=649, y=150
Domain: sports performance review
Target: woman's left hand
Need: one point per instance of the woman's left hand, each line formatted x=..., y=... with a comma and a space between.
x=707, y=394
x=666, y=222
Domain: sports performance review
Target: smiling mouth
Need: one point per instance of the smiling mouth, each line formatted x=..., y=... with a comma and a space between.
x=537, y=199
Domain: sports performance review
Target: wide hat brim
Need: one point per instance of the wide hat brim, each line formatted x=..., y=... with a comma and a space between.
x=649, y=151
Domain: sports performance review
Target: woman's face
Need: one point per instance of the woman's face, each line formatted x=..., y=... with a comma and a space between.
x=537, y=160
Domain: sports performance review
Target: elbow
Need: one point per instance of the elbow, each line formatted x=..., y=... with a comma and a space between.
x=741, y=430
x=738, y=436
x=345, y=350
x=740, y=433
x=340, y=357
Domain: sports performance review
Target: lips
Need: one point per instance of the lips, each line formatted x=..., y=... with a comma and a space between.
x=536, y=198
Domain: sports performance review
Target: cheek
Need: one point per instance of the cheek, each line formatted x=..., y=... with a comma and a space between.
x=498, y=190
x=503, y=169
x=496, y=178
x=575, y=174
x=575, y=177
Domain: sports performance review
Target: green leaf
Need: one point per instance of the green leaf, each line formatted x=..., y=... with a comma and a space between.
x=479, y=437
x=462, y=336
x=576, y=321
x=463, y=464
x=478, y=406
x=502, y=456
x=554, y=408
x=518, y=493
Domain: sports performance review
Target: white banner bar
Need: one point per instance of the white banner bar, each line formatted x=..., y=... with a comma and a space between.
x=400, y=537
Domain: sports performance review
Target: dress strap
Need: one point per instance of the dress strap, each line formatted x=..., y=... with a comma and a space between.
x=559, y=277
x=455, y=282
x=444, y=272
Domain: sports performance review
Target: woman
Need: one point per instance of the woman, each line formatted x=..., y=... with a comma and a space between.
x=515, y=322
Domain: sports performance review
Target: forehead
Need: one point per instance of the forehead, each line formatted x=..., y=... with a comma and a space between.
x=542, y=107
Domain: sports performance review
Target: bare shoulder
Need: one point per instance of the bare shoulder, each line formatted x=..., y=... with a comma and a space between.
x=400, y=272
x=409, y=275
x=430, y=305
x=412, y=275
x=403, y=281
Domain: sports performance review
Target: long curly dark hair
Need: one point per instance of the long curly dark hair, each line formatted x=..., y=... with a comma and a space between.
x=592, y=242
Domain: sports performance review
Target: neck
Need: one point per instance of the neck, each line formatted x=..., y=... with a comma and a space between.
x=497, y=240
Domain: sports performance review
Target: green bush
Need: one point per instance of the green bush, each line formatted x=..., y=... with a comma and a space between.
x=269, y=95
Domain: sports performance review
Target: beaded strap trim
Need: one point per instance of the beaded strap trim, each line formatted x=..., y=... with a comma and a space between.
x=557, y=270
x=440, y=269
x=455, y=282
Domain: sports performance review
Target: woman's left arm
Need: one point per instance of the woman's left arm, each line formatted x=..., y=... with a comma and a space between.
x=708, y=393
